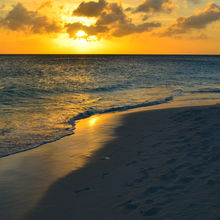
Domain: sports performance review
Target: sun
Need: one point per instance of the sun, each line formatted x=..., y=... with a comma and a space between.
x=80, y=43
x=81, y=34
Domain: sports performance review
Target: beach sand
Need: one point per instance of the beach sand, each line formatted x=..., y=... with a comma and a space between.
x=154, y=164
x=162, y=164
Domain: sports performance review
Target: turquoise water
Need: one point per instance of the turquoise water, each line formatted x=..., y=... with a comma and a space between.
x=41, y=96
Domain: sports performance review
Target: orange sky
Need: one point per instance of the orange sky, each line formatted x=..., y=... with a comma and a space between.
x=115, y=27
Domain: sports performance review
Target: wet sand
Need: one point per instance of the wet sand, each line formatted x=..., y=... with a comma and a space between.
x=155, y=164
x=163, y=164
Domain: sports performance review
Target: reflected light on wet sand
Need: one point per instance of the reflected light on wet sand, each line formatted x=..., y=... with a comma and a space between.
x=25, y=177
x=93, y=121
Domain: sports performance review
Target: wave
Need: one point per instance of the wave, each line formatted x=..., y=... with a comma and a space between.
x=91, y=112
x=206, y=90
x=42, y=143
x=106, y=88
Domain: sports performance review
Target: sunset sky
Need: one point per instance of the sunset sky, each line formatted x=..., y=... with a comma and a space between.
x=110, y=26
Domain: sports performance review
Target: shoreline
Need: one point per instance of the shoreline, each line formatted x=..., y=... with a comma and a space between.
x=36, y=146
x=72, y=177
x=122, y=110
x=77, y=118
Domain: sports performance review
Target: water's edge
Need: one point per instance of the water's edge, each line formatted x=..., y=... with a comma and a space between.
x=88, y=114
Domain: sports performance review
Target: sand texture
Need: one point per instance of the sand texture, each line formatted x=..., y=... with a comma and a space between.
x=163, y=164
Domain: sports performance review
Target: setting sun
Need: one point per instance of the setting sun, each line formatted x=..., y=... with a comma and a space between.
x=81, y=34
x=88, y=44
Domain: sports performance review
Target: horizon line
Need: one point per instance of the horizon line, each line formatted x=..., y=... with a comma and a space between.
x=119, y=54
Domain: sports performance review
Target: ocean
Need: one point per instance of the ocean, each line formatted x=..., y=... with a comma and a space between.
x=42, y=96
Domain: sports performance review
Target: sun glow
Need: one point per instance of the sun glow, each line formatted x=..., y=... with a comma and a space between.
x=81, y=34
x=68, y=18
x=90, y=44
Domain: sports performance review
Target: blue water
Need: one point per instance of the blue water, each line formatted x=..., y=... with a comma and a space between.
x=41, y=96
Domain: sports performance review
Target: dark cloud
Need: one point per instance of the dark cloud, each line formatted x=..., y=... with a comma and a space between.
x=46, y=4
x=19, y=18
x=90, y=9
x=195, y=1
x=153, y=6
x=145, y=17
x=196, y=21
x=111, y=21
x=201, y=36
x=126, y=29
x=73, y=28
x=113, y=14
x=128, y=9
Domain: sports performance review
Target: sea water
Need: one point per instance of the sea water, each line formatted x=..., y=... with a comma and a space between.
x=42, y=96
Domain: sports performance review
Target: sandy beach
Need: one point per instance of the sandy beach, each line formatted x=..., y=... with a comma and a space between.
x=154, y=164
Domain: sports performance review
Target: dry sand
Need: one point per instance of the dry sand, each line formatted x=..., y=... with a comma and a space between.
x=163, y=164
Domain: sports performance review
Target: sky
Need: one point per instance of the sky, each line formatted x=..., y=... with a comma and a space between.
x=110, y=27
